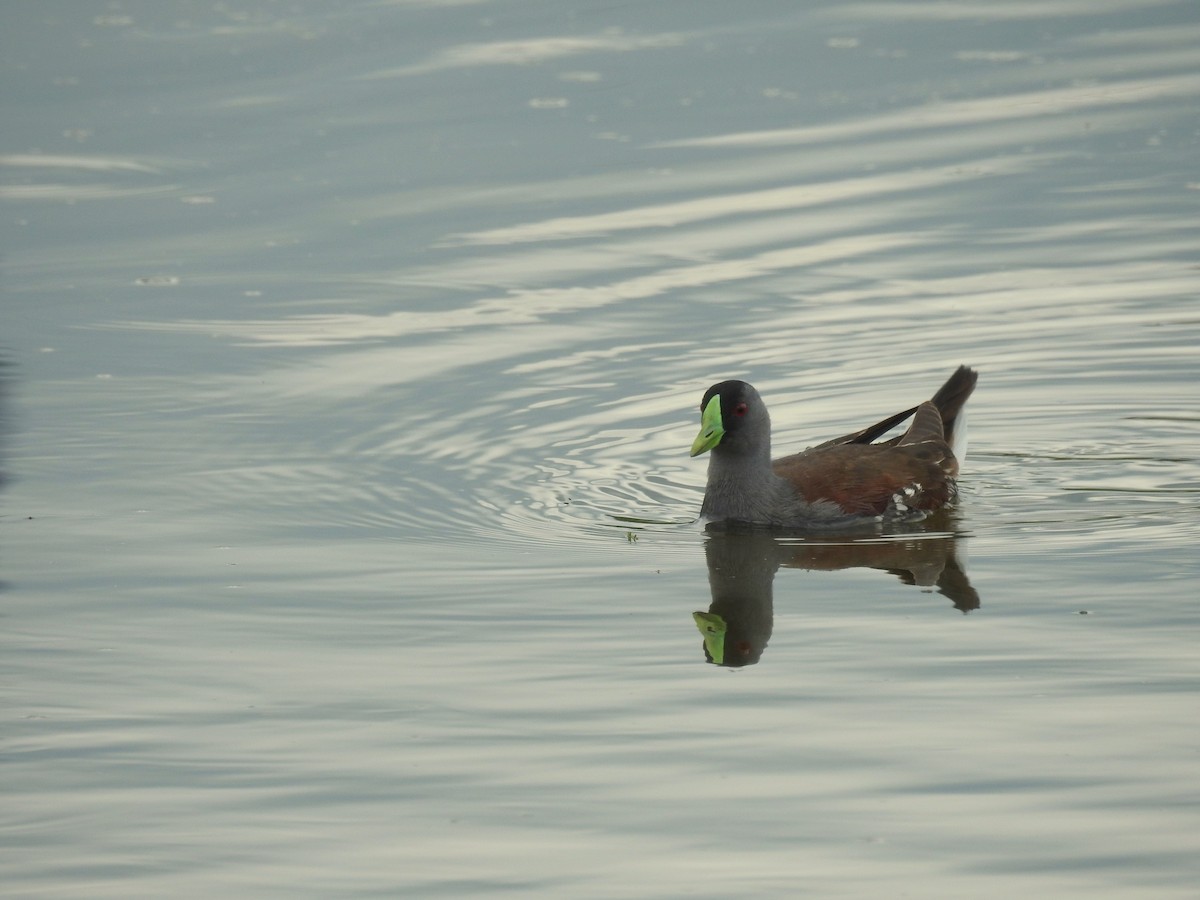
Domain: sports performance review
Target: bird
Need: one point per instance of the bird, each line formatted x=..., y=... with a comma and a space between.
x=845, y=481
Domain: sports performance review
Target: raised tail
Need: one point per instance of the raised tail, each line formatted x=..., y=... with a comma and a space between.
x=951, y=401
x=946, y=405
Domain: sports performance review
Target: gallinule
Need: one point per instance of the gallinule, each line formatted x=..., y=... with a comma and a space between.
x=844, y=481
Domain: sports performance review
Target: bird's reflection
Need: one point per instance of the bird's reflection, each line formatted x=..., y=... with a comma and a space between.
x=742, y=562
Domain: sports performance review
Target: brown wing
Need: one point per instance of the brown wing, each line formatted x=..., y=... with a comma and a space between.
x=918, y=469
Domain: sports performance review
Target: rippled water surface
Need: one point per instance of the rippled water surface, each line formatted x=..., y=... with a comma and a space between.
x=351, y=355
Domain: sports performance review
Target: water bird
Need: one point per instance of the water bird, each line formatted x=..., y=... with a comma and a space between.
x=845, y=481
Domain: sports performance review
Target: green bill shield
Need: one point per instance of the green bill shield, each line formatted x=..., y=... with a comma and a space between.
x=711, y=429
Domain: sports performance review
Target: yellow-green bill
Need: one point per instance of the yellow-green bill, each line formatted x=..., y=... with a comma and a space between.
x=711, y=427
x=713, y=628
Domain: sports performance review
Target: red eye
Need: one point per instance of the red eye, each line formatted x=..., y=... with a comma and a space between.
x=741, y=409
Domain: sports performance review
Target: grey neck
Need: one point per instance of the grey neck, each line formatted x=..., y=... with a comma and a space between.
x=743, y=488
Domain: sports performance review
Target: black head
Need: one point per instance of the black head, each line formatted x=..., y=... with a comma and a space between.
x=737, y=423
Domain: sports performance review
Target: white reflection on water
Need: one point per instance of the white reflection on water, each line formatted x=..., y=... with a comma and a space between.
x=535, y=306
x=530, y=52
x=762, y=202
x=58, y=192
x=949, y=12
x=83, y=163
x=966, y=113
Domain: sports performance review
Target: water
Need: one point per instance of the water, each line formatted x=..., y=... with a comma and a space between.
x=353, y=354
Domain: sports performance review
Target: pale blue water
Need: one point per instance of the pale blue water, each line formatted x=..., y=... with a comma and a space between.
x=353, y=356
